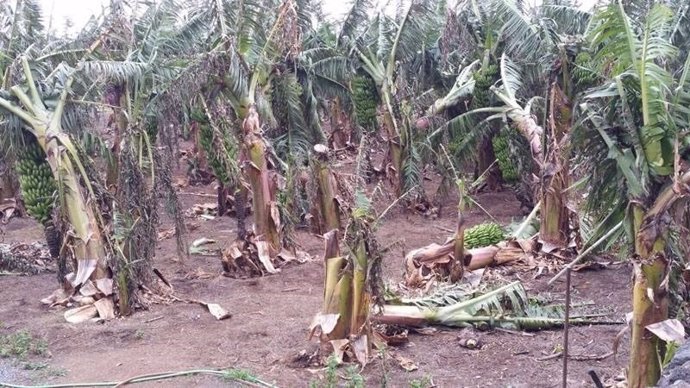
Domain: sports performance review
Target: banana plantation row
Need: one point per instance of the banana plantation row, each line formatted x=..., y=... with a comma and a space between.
x=583, y=114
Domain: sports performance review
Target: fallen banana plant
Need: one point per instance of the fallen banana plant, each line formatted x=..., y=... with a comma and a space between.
x=434, y=260
x=505, y=307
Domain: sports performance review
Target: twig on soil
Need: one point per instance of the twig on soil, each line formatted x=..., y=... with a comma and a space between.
x=444, y=229
x=153, y=319
x=238, y=376
x=586, y=252
x=522, y=333
x=577, y=357
x=395, y=202
x=200, y=194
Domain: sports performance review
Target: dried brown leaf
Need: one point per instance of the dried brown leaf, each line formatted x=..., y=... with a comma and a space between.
x=81, y=314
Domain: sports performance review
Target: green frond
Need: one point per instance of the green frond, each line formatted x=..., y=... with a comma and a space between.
x=357, y=16
x=523, y=38
x=119, y=71
x=415, y=31
x=567, y=19
x=294, y=140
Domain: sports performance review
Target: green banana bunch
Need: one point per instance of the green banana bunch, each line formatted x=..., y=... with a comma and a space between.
x=501, y=147
x=512, y=153
x=581, y=73
x=215, y=157
x=36, y=182
x=483, y=235
x=481, y=98
x=365, y=98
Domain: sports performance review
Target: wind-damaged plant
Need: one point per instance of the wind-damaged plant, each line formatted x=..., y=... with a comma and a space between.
x=351, y=288
x=507, y=307
x=43, y=121
x=327, y=210
x=631, y=127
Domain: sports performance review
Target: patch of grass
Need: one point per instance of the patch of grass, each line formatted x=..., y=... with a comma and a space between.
x=22, y=344
x=43, y=372
x=239, y=375
x=424, y=382
x=331, y=378
x=139, y=334
x=355, y=379
x=34, y=366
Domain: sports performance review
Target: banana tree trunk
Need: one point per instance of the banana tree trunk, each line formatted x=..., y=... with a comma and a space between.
x=88, y=240
x=650, y=288
x=457, y=269
x=329, y=209
x=344, y=319
x=340, y=135
x=486, y=163
x=266, y=216
x=554, y=231
x=395, y=152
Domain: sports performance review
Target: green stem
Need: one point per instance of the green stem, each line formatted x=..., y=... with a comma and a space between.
x=30, y=81
x=30, y=121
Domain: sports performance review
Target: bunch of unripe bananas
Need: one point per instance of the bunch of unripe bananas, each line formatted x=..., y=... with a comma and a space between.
x=508, y=168
x=483, y=235
x=365, y=97
x=483, y=79
x=206, y=139
x=582, y=72
x=36, y=181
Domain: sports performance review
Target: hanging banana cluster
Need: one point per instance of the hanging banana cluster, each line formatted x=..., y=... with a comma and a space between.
x=582, y=73
x=509, y=170
x=36, y=182
x=483, y=235
x=365, y=98
x=279, y=98
x=216, y=158
x=510, y=149
x=481, y=98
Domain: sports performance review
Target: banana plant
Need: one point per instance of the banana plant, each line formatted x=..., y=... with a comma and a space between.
x=378, y=49
x=504, y=29
x=634, y=122
x=42, y=119
x=251, y=57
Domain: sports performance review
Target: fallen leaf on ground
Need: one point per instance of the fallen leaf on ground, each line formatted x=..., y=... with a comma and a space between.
x=407, y=364
x=670, y=330
x=81, y=314
x=166, y=234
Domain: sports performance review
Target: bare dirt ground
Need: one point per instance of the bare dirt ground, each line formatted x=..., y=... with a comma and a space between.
x=271, y=316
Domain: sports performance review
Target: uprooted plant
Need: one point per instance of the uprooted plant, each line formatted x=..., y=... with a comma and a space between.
x=506, y=307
